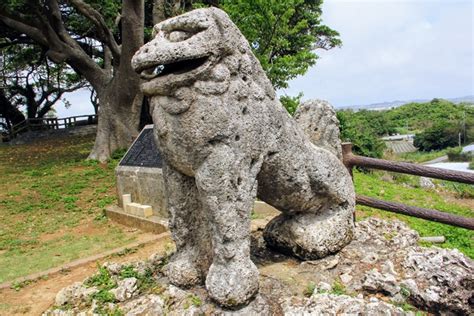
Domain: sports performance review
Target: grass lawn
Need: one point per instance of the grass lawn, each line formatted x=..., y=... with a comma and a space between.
x=51, y=206
x=448, y=197
x=420, y=157
x=52, y=201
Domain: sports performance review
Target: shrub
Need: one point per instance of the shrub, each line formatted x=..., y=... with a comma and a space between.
x=439, y=136
x=456, y=154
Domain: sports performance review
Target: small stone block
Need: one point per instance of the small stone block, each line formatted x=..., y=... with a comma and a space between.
x=126, y=199
x=147, y=210
x=133, y=208
x=142, y=210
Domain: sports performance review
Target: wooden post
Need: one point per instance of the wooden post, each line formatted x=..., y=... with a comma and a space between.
x=346, y=153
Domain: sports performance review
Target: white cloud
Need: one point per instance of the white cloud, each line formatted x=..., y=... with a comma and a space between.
x=393, y=50
x=398, y=49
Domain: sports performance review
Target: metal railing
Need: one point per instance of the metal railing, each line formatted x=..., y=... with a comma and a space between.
x=35, y=124
x=351, y=160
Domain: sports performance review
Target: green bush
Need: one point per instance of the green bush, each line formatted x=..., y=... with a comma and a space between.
x=439, y=136
x=456, y=154
x=471, y=164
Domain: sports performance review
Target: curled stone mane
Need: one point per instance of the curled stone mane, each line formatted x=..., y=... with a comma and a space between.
x=226, y=140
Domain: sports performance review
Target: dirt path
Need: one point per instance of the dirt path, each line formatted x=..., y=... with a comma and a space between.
x=36, y=297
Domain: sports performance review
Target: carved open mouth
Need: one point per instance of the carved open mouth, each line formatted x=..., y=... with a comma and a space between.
x=177, y=68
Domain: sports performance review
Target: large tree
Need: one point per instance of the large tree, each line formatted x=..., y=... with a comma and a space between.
x=98, y=38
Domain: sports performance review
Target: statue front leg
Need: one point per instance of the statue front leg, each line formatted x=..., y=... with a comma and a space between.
x=227, y=187
x=189, y=229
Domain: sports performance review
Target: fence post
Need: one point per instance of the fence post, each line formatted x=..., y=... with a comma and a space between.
x=346, y=154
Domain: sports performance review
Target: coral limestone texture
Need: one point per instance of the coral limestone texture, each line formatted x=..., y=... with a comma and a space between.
x=225, y=140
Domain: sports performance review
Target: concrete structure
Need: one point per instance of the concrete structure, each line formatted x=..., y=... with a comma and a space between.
x=139, y=174
x=401, y=146
x=468, y=149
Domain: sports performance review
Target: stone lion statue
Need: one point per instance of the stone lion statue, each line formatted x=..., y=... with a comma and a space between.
x=226, y=140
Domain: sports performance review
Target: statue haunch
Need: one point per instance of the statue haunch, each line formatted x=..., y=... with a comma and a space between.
x=226, y=140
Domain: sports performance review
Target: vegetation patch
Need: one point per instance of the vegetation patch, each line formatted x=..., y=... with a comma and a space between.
x=436, y=124
x=51, y=206
x=371, y=184
x=338, y=288
x=309, y=290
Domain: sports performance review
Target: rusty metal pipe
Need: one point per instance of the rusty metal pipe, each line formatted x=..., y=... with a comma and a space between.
x=432, y=215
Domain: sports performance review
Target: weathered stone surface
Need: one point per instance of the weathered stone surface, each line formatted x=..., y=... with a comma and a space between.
x=374, y=281
x=310, y=236
x=150, y=304
x=318, y=120
x=125, y=289
x=431, y=279
x=74, y=294
x=330, y=304
x=226, y=139
x=426, y=183
x=448, y=279
x=113, y=268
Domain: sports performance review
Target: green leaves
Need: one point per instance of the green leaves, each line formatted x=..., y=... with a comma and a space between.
x=291, y=103
x=283, y=34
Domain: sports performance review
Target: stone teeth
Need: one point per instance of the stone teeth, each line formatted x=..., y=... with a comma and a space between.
x=158, y=69
x=151, y=73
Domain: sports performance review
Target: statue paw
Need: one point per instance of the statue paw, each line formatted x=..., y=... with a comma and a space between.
x=310, y=236
x=233, y=283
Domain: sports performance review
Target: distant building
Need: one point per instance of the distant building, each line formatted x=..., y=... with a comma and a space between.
x=468, y=149
x=400, y=144
x=406, y=137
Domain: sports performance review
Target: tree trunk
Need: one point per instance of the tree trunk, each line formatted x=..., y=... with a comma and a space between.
x=120, y=100
x=9, y=111
x=119, y=115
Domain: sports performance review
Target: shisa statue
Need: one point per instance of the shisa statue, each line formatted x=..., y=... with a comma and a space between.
x=226, y=140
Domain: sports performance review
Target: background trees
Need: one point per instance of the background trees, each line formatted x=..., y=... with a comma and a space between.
x=97, y=38
x=437, y=124
x=88, y=37
x=30, y=82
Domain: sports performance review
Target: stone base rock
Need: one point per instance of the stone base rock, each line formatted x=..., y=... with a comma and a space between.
x=448, y=276
x=331, y=304
x=381, y=270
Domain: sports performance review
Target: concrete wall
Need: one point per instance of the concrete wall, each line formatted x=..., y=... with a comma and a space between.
x=145, y=185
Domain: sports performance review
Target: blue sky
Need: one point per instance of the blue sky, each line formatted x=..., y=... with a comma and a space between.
x=392, y=50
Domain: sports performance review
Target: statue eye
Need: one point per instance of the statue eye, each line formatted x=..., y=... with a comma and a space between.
x=178, y=36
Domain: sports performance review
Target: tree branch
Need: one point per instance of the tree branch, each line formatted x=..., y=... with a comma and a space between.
x=28, y=29
x=51, y=33
x=103, y=30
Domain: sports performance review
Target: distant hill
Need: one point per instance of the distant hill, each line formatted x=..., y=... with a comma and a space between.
x=397, y=103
